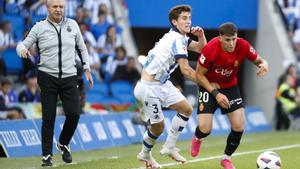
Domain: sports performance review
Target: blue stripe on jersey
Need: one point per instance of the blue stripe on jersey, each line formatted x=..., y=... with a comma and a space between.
x=174, y=48
x=180, y=56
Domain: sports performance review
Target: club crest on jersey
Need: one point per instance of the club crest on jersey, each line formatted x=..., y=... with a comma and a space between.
x=236, y=63
x=201, y=107
x=69, y=29
x=202, y=59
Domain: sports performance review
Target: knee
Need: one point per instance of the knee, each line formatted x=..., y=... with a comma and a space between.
x=157, y=129
x=205, y=128
x=189, y=110
x=238, y=128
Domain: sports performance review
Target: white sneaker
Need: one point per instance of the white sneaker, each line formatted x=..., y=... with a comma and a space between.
x=148, y=160
x=173, y=153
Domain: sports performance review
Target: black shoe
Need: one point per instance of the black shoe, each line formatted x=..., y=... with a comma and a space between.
x=47, y=161
x=65, y=151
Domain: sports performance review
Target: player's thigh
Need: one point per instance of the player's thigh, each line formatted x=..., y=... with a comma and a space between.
x=173, y=98
x=182, y=107
x=149, y=101
x=236, y=119
x=207, y=103
x=234, y=97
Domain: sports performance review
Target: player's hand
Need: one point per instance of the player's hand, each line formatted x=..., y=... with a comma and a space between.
x=223, y=101
x=263, y=69
x=25, y=53
x=88, y=77
x=197, y=31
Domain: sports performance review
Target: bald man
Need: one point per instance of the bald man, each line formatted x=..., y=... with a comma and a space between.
x=58, y=39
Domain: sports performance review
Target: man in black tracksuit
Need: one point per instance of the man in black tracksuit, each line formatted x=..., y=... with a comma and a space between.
x=58, y=41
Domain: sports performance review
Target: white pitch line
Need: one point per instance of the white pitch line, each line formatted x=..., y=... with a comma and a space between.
x=235, y=154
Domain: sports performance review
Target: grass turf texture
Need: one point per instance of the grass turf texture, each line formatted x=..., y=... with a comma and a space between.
x=125, y=157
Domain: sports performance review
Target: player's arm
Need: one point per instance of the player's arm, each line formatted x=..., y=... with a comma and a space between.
x=31, y=38
x=197, y=46
x=186, y=69
x=262, y=64
x=82, y=50
x=211, y=88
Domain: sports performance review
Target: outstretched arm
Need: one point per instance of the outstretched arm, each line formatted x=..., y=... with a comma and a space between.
x=197, y=46
x=263, y=66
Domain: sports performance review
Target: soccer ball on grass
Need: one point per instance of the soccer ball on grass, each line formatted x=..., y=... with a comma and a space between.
x=268, y=160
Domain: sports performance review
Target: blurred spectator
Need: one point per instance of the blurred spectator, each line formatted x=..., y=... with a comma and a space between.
x=38, y=8
x=93, y=7
x=70, y=8
x=290, y=70
x=8, y=111
x=113, y=61
x=127, y=72
x=101, y=26
x=108, y=42
x=82, y=16
x=289, y=101
x=6, y=37
x=94, y=61
x=280, y=116
x=87, y=35
x=103, y=8
x=31, y=93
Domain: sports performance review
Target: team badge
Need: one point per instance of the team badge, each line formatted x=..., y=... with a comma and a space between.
x=69, y=29
x=201, y=107
x=202, y=59
x=236, y=63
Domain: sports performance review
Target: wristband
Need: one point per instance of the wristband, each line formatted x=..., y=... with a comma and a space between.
x=215, y=92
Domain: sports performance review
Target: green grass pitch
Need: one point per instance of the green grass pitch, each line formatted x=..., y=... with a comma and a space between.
x=286, y=144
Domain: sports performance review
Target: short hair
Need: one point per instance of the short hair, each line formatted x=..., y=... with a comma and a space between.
x=228, y=28
x=177, y=10
x=47, y=2
x=6, y=81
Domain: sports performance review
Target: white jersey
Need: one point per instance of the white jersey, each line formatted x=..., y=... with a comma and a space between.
x=162, y=59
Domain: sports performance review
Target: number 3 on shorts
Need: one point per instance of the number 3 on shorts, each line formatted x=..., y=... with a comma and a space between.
x=155, y=108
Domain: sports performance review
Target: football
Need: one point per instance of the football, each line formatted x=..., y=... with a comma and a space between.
x=268, y=160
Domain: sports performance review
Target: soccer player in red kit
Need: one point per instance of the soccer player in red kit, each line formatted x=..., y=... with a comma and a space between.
x=217, y=73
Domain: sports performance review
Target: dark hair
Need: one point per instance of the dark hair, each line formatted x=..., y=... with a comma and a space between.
x=177, y=10
x=6, y=81
x=228, y=28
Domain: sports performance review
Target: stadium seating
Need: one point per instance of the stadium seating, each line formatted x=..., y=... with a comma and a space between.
x=121, y=87
x=100, y=88
x=13, y=62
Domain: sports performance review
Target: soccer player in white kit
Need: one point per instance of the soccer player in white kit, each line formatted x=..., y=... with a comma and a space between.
x=155, y=91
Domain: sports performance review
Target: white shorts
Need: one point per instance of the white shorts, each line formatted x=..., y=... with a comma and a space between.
x=152, y=96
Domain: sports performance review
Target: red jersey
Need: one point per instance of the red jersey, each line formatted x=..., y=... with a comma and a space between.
x=223, y=66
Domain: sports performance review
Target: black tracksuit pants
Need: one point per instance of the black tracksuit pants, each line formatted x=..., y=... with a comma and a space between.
x=66, y=88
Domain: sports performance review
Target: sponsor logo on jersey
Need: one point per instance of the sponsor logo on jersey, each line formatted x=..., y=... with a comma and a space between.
x=224, y=72
x=202, y=59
